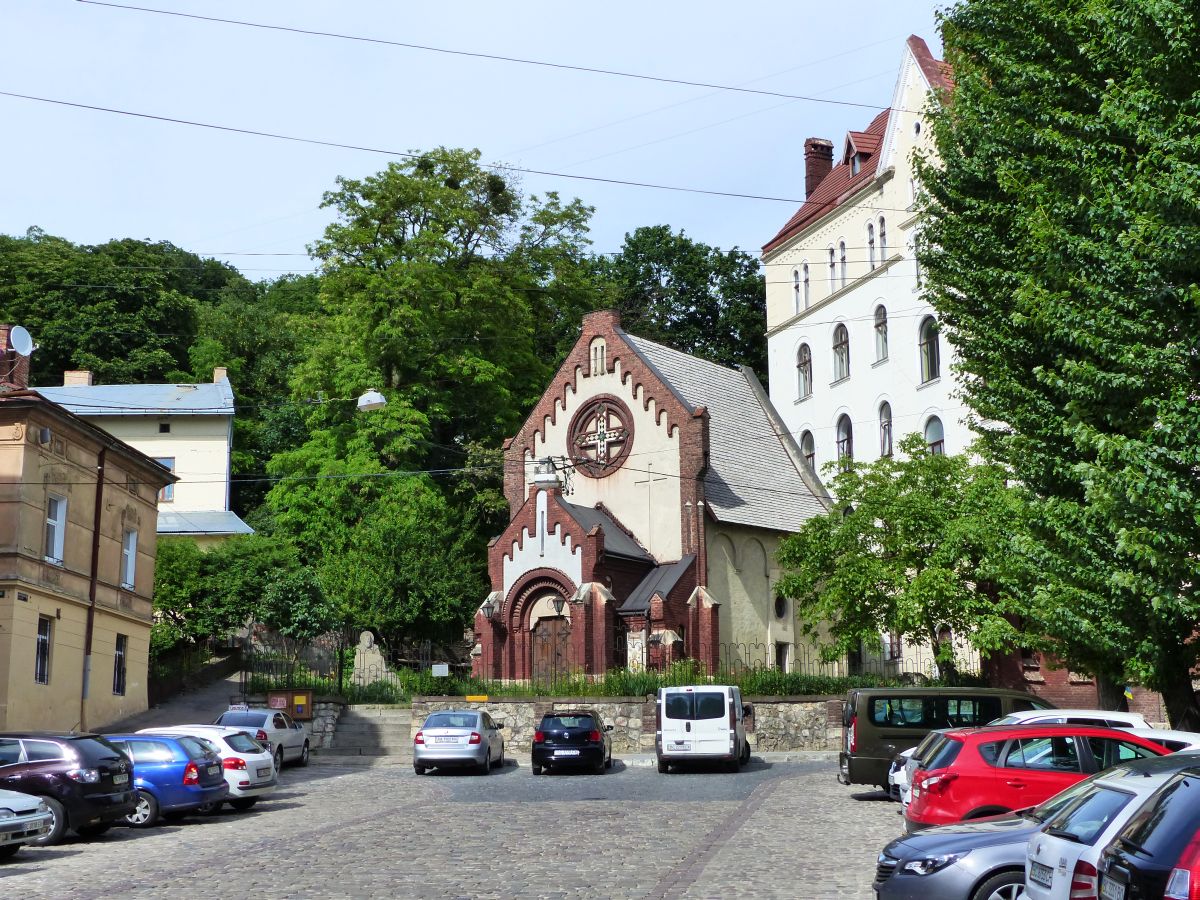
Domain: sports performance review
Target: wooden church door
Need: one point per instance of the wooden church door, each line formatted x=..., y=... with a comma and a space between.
x=551, y=648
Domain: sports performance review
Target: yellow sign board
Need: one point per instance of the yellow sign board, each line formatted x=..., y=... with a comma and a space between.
x=476, y=698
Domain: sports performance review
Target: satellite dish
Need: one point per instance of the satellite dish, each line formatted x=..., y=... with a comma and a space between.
x=20, y=341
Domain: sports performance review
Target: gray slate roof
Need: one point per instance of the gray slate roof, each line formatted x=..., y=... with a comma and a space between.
x=217, y=521
x=751, y=479
x=660, y=580
x=616, y=541
x=144, y=399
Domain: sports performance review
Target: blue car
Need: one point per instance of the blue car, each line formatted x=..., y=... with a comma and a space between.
x=173, y=775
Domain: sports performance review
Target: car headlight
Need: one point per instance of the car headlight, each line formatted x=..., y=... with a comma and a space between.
x=927, y=865
x=7, y=814
x=43, y=806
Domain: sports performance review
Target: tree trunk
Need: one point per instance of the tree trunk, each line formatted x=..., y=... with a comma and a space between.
x=1110, y=694
x=1180, y=698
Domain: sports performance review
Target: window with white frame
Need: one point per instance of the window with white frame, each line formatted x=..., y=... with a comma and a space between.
x=167, y=494
x=804, y=379
x=842, y=259
x=881, y=333
x=935, y=436
x=931, y=357
x=871, y=244
x=845, y=442
x=599, y=348
x=120, y=652
x=885, y=429
x=41, y=655
x=808, y=447
x=841, y=353
x=832, y=270
x=807, y=286
x=56, y=528
x=128, y=558
x=882, y=240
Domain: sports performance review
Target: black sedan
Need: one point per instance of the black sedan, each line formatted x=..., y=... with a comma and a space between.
x=572, y=738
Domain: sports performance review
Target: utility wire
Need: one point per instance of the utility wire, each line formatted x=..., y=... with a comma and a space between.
x=492, y=56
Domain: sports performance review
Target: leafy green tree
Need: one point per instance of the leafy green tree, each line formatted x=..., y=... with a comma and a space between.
x=295, y=607
x=916, y=543
x=1060, y=246
x=690, y=296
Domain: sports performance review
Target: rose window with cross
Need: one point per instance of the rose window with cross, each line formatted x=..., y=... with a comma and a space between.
x=601, y=435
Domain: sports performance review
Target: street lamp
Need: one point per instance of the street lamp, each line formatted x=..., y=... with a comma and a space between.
x=488, y=609
x=559, y=603
x=371, y=399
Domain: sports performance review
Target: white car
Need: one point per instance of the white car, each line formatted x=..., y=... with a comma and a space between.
x=1109, y=718
x=23, y=818
x=1175, y=741
x=249, y=768
x=1062, y=856
x=287, y=739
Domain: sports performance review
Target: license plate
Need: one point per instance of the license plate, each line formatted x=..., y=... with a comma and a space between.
x=120, y=779
x=213, y=770
x=264, y=773
x=682, y=745
x=1111, y=890
x=566, y=752
x=445, y=740
x=1041, y=873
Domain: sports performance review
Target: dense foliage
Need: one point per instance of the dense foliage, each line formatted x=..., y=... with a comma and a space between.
x=1061, y=251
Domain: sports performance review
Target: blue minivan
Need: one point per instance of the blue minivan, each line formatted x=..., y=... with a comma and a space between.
x=173, y=775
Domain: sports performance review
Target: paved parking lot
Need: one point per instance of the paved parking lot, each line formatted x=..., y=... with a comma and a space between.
x=774, y=830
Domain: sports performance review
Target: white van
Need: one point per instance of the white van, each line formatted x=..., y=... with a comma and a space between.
x=699, y=722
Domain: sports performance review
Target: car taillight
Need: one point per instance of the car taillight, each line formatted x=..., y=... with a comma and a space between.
x=594, y=736
x=234, y=762
x=87, y=776
x=1085, y=881
x=420, y=738
x=732, y=715
x=261, y=735
x=475, y=738
x=937, y=781
x=1184, y=883
x=538, y=737
x=191, y=775
x=854, y=735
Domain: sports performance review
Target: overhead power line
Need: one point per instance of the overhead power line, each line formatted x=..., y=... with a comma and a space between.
x=492, y=56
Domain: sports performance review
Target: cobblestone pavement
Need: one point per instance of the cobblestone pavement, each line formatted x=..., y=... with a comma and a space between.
x=779, y=830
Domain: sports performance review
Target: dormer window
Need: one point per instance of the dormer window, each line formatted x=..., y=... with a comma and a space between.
x=855, y=163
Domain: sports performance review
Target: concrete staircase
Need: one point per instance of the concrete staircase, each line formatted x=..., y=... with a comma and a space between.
x=370, y=735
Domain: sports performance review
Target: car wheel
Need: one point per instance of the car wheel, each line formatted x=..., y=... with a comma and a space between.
x=500, y=762
x=1004, y=886
x=485, y=767
x=243, y=803
x=90, y=831
x=278, y=759
x=536, y=769
x=8, y=851
x=745, y=758
x=608, y=762
x=663, y=767
x=304, y=754
x=600, y=767
x=58, y=826
x=146, y=813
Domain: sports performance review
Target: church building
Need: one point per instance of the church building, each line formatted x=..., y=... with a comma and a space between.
x=648, y=493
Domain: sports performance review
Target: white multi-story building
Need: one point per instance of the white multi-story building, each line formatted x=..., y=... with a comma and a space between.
x=855, y=358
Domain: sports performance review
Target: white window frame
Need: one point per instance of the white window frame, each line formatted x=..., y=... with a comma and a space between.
x=871, y=244
x=841, y=353
x=807, y=285
x=129, y=558
x=881, y=333
x=56, y=528
x=842, y=259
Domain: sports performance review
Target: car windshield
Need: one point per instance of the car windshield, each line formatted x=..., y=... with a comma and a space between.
x=243, y=719
x=452, y=720
x=549, y=722
x=1083, y=822
x=1061, y=800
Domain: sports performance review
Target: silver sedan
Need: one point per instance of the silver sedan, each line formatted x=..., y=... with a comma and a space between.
x=464, y=738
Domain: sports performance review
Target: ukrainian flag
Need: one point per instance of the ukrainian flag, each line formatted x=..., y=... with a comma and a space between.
x=1128, y=692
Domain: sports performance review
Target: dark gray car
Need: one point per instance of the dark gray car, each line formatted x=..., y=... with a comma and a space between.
x=984, y=859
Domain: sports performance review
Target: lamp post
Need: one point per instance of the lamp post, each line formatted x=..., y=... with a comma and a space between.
x=370, y=400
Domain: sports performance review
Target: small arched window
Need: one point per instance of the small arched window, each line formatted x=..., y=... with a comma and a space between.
x=935, y=436
x=931, y=358
x=804, y=372
x=807, y=286
x=842, y=259
x=881, y=333
x=832, y=270
x=795, y=291
x=841, y=353
x=885, y=429
x=845, y=442
x=871, y=244
x=882, y=240
x=599, y=350
x=808, y=447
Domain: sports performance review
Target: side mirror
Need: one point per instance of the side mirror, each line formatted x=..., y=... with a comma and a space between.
x=608, y=728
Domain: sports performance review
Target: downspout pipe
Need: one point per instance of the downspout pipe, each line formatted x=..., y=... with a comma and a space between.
x=93, y=577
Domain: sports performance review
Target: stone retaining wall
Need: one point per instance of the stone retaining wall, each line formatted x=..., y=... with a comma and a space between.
x=778, y=723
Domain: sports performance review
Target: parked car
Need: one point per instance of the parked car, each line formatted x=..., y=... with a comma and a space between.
x=85, y=780
x=285, y=738
x=985, y=858
x=905, y=765
x=569, y=738
x=173, y=775
x=23, y=818
x=1063, y=856
x=1175, y=741
x=701, y=722
x=456, y=738
x=878, y=723
x=1105, y=717
x=1157, y=852
x=983, y=771
x=248, y=766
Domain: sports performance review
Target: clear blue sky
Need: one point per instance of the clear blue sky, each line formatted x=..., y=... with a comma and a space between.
x=90, y=176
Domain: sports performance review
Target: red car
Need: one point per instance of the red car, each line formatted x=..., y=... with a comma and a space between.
x=975, y=772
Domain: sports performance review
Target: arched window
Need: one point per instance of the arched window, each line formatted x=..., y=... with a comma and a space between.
x=832, y=270
x=935, y=436
x=807, y=292
x=871, y=244
x=845, y=442
x=795, y=291
x=599, y=350
x=804, y=372
x=931, y=357
x=882, y=240
x=809, y=448
x=841, y=353
x=885, y=429
x=842, y=258
x=881, y=337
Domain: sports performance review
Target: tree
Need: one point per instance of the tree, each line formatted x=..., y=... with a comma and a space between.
x=297, y=609
x=915, y=544
x=1060, y=242
x=690, y=296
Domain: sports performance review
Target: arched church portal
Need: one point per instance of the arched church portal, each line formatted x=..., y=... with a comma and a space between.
x=550, y=637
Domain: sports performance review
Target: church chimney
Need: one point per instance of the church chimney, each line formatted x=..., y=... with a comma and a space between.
x=78, y=378
x=14, y=370
x=818, y=162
